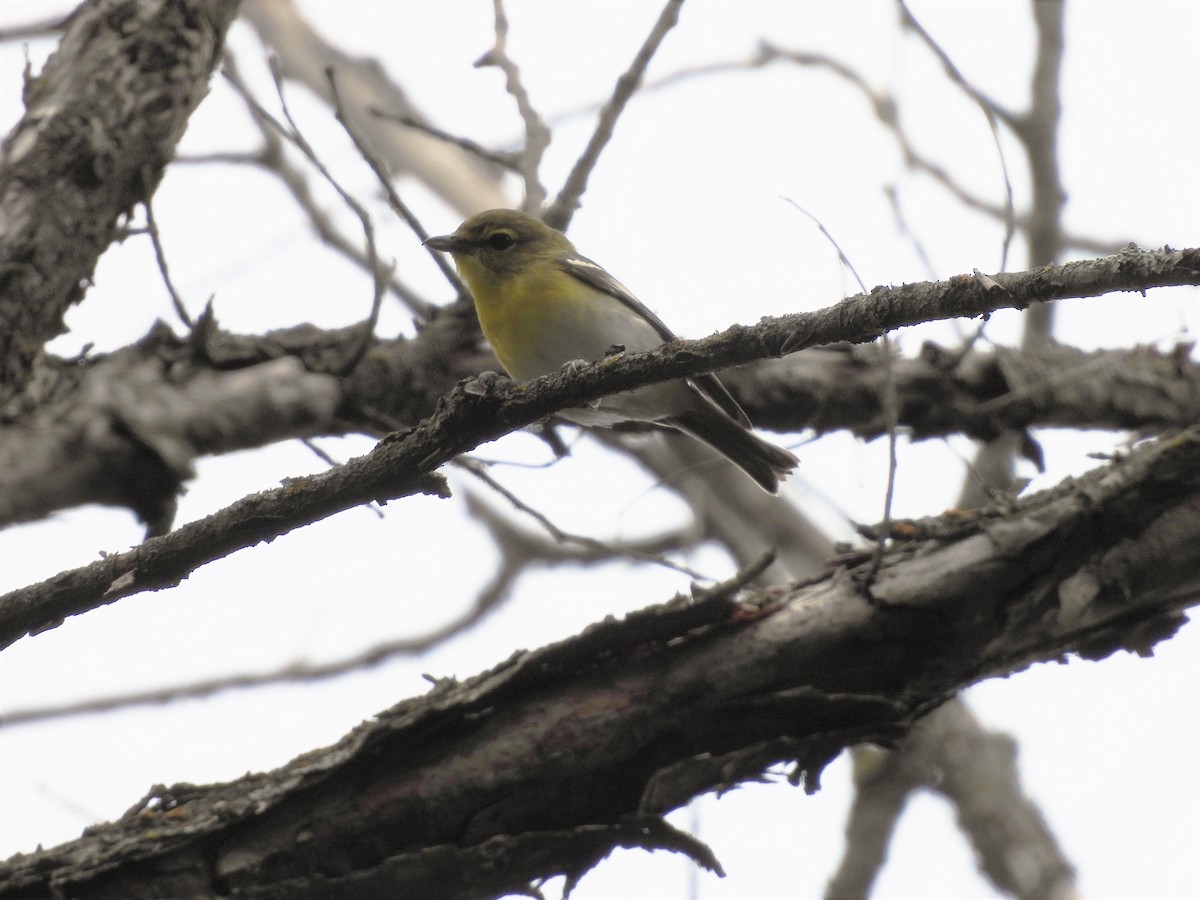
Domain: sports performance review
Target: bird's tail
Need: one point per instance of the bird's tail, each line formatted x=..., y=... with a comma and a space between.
x=760, y=459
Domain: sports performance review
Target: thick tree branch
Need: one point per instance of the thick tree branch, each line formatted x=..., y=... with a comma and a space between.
x=979, y=394
x=631, y=719
x=124, y=429
x=483, y=411
x=101, y=122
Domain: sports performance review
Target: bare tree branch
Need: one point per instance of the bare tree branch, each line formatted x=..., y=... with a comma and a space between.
x=992, y=111
x=999, y=839
x=160, y=256
x=672, y=702
x=1038, y=130
x=519, y=551
x=951, y=753
x=131, y=437
x=730, y=509
x=102, y=422
x=506, y=159
x=884, y=108
x=977, y=771
x=101, y=123
x=41, y=28
x=483, y=411
x=460, y=178
x=979, y=394
x=563, y=208
x=273, y=159
x=537, y=135
x=123, y=429
x=581, y=547
x=398, y=206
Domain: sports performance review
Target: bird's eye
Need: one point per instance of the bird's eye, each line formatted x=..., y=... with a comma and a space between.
x=501, y=240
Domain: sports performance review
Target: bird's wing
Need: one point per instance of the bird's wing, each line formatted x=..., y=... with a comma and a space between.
x=596, y=276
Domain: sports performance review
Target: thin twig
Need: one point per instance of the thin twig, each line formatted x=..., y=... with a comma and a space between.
x=479, y=470
x=992, y=111
x=272, y=158
x=161, y=257
x=291, y=673
x=889, y=404
x=41, y=28
x=502, y=158
x=652, y=85
x=918, y=246
x=886, y=112
x=368, y=327
x=398, y=206
x=740, y=579
x=229, y=158
x=986, y=103
x=891, y=414
x=537, y=134
x=560, y=211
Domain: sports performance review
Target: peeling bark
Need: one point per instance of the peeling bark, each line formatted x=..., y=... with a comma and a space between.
x=543, y=764
x=102, y=120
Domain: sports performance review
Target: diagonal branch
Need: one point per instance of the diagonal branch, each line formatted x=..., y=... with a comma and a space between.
x=118, y=431
x=482, y=411
x=558, y=215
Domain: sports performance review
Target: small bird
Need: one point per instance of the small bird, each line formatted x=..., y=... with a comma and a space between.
x=543, y=306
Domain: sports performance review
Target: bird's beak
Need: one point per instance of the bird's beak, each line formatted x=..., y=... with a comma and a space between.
x=451, y=243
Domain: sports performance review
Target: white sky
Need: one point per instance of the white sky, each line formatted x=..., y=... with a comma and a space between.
x=685, y=209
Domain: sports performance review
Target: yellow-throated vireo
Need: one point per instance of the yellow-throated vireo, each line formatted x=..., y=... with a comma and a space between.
x=543, y=306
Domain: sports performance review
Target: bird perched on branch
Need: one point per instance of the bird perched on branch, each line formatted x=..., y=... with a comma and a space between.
x=543, y=306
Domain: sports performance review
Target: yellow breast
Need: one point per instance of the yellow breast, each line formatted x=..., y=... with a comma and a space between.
x=537, y=321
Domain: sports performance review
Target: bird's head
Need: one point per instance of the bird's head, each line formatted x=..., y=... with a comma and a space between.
x=501, y=243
